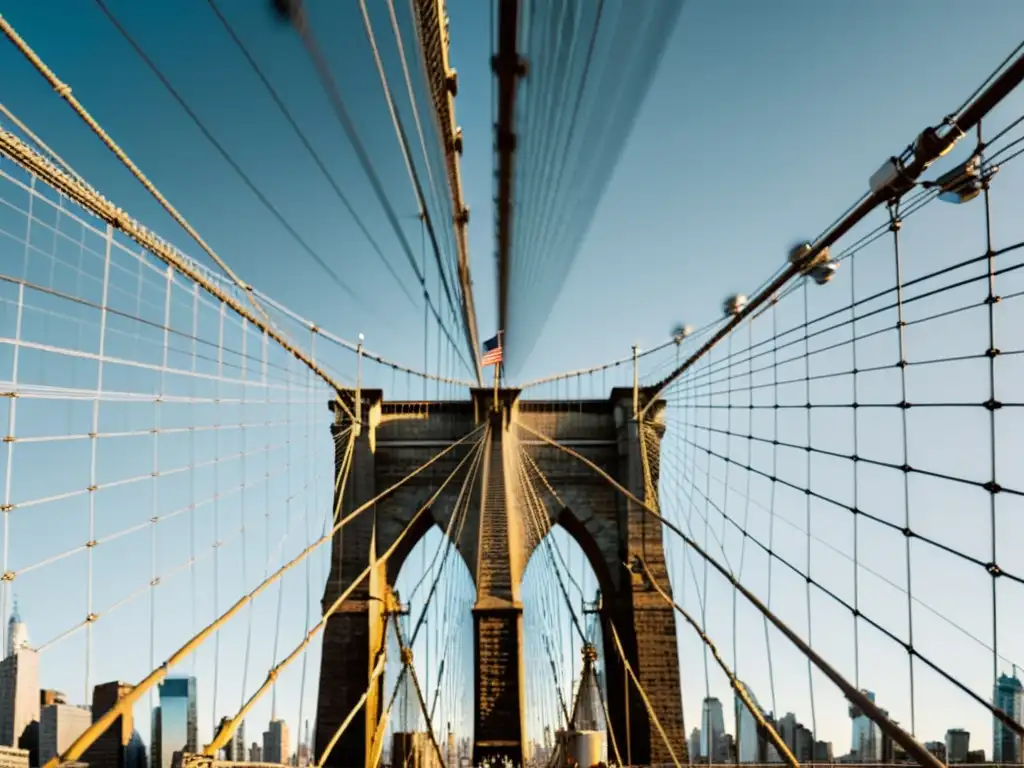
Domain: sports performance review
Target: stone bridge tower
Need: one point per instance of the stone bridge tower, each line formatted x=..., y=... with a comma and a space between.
x=496, y=545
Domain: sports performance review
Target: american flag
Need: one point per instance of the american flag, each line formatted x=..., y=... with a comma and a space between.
x=492, y=351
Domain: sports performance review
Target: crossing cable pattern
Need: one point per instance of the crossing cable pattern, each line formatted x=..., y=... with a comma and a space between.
x=941, y=295
x=898, y=176
x=535, y=478
x=424, y=212
x=143, y=417
x=12, y=147
x=280, y=317
x=442, y=572
x=737, y=686
x=226, y=732
x=876, y=714
x=653, y=362
x=64, y=91
x=244, y=288
x=557, y=595
x=532, y=503
x=539, y=524
x=217, y=359
x=714, y=383
x=801, y=369
x=100, y=725
x=386, y=371
x=542, y=526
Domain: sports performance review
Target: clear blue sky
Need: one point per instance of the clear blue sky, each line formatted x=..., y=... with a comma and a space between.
x=763, y=124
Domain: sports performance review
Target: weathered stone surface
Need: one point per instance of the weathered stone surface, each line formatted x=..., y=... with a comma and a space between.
x=496, y=543
x=498, y=683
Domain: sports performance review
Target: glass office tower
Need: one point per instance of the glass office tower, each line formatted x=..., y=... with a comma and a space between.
x=177, y=726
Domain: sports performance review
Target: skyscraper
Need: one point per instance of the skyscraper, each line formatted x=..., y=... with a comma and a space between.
x=19, y=695
x=937, y=748
x=693, y=745
x=236, y=747
x=303, y=752
x=958, y=744
x=803, y=744
x=155, y=749
x=748, y=736
x=276, y=742
x=111, y=749
x=1008, y=697
x=59, y=726
x=135, y=754
x=866, y=736
x=175, y=720
x=712, y=731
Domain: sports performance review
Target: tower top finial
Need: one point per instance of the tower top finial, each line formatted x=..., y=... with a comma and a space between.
x=15, y=615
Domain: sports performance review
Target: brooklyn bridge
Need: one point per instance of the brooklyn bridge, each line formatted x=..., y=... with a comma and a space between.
x=302, y=492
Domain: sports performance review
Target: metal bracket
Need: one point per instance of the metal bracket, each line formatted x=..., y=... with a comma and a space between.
x=805, y=259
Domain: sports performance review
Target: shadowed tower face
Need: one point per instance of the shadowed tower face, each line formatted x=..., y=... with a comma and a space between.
x=512, y=479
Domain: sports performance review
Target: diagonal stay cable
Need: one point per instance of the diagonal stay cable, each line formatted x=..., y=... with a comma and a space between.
x=99, y=206
x=378, y=670
x=448, y=542
x=458, y=515
x=40, y=143
x=228, y=730
x=850, y=559
x=643, y=693
x=554, y=494
x=64, y=91
x=537, y=500
x=406, y=651
x=929, y=146
x=100, y=726
x=737, y=686
x=891, y=729
x=541, y=527
x=811, y=581
x=403, y=139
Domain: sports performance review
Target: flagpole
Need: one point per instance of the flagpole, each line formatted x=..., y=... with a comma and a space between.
x=497, y=372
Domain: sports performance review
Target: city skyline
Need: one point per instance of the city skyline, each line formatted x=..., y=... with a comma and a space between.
x=181, y=696
x=178, y=695
x=867, y=742
x=57, y=723
x=147, y=539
